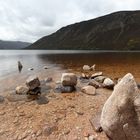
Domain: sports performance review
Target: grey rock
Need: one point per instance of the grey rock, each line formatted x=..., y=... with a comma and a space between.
x=100, y=79
x=108, y=83
x=49, y=129
x=48, y=79
x=69, y=79
x=89, y=90
x=42, y=100
x=120, y=117
x=20, y=66
x=1, y=99
x=35, y=91
x=96, y=74
x=84, y=80
x=33, y=82
x=94, y=83
x=64, y=89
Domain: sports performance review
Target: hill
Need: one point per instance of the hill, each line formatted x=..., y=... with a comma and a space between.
x=116, y=31
x=13, y=44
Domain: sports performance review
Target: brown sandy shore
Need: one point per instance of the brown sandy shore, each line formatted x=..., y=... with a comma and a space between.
x=64, y=117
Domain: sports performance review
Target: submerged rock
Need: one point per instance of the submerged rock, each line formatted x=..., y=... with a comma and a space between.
x=94, y=84
x=20, y=66
x=22, y=90
x=45, y=67
x=48, y=79
x=30, y=69
x=90, y=90
x=120, y=117
x=64, y=89
x=69, y=79
x=32, y=82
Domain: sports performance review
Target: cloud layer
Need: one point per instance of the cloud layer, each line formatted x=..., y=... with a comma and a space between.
x=29, y=20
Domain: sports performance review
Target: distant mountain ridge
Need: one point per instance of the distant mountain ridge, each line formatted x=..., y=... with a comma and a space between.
x=116, y=31
x=13, y=44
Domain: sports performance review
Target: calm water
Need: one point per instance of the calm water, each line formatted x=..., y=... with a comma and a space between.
x=115, y=64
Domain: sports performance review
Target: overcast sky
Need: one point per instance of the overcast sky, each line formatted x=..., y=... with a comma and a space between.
x=29, y=20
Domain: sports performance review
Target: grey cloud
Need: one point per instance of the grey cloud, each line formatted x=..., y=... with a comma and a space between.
x=29, y=20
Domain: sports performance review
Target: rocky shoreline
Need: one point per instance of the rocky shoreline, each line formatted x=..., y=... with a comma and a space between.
x=68, y=109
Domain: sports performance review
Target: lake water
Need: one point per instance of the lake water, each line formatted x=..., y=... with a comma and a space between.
x=113, y=64
x=117, y=61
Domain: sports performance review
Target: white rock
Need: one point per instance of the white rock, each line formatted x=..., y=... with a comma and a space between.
x=69, y=79
x=120, y=117
x=22, y=90
x=86, y=68
x=90, y=90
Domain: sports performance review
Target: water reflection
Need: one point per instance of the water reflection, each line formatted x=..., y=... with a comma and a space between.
x=114, y=63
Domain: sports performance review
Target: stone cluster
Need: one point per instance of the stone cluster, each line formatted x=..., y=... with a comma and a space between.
x=68, y=83
x=32, y=86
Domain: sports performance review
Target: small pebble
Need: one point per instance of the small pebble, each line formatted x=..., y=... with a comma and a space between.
x=92, y=137
x=38, y=133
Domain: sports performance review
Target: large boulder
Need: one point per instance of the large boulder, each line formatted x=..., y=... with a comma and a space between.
x=69, y=79
x=32, y=82
x=120, y=118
